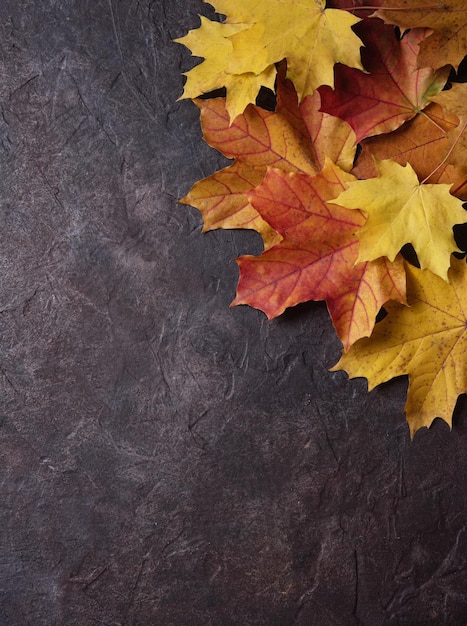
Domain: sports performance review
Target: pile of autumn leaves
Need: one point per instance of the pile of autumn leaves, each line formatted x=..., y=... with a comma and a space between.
x=334, y=224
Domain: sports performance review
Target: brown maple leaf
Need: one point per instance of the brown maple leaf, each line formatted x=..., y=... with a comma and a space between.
x=454, y=102
x=448, y=42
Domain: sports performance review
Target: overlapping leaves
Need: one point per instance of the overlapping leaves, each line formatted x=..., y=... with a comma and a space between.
x=293, y=138
x=317, y=257
x=257, y=35
x=333, y=225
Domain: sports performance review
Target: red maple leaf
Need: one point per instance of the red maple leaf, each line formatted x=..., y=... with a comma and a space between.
x=316, y=258
x=392, y=92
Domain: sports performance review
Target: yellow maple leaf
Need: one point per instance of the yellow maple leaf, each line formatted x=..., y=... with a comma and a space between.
x=402, y=210
x=260, y=34
x=211, y=41
x=427, y=341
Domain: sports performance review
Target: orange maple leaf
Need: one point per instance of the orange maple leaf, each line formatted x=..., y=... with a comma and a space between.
x=292, y=138
x=448, y=43
x=316, y=258
x=427, y=341
x=392, y=92
x=423, y=142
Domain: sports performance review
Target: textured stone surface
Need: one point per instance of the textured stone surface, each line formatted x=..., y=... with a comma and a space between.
x=165, y=459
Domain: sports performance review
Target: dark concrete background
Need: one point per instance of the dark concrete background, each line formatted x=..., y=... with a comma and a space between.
x=166, y=460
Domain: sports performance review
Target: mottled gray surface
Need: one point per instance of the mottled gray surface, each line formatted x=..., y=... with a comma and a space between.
x=166, y=460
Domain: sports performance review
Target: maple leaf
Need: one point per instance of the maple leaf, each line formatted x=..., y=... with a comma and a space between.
x=400, y=210
x=448, y=43
x=392, y=92
x=292, y=138
x=423, y=142
x=316, y=258
x=256, y=36
x=427, y=341
x=211, y=40
x=310, y=37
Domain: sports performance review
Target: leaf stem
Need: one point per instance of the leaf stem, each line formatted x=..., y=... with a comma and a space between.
x=448, y=154
x=438, y=5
